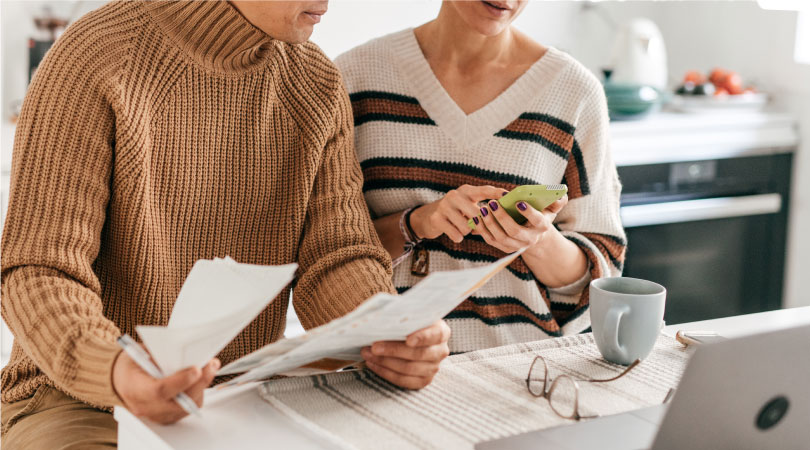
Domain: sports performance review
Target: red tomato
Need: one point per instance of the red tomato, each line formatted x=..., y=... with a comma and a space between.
x=717, y=76
x=693, y=76
x=720, y=92
x=733, y=83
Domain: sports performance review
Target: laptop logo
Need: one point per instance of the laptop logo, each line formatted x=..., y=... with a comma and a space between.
x=772, y=412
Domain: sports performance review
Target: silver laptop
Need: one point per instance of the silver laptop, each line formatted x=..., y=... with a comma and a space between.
x=746, y=393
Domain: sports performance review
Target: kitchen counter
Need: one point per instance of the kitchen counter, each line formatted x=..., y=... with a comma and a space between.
x=674, y=137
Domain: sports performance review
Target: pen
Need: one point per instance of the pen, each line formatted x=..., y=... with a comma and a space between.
x=142, y=359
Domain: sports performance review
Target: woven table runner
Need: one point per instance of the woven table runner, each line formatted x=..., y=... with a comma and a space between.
x=475, y=397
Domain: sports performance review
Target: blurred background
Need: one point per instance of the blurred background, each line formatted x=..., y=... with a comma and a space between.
x=710, y=109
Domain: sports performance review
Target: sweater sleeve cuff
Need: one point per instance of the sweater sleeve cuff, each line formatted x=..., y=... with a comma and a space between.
x=342, y=290
x=93, y=382
x=577, y=286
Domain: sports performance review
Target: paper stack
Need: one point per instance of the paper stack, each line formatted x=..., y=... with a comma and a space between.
x=382, y=317
x=218, y=299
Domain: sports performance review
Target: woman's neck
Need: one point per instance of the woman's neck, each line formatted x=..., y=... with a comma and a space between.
x=449, y=40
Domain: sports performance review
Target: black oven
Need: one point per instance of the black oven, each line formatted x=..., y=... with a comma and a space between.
x=712, y=232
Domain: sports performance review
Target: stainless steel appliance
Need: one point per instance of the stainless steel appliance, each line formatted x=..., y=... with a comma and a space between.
x=705, y=206
x=713, y=232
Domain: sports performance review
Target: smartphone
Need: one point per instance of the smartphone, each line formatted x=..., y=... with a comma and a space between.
x=540, y=196
x=698, y=337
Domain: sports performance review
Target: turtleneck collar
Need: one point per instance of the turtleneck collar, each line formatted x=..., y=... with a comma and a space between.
x=213, y=33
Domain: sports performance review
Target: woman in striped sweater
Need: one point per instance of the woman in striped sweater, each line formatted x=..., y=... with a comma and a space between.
x=455, y=113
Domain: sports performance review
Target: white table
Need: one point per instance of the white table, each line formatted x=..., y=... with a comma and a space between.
x=243, y=420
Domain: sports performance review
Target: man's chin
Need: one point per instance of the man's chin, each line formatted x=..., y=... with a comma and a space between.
x=299, y=35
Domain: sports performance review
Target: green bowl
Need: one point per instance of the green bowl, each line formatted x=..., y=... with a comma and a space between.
x=627, y=100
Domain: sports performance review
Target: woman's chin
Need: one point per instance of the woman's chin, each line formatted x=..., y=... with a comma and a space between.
x=489, y=27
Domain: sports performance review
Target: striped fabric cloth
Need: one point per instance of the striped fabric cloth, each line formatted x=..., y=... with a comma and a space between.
x=475, y=397
x=415, y=144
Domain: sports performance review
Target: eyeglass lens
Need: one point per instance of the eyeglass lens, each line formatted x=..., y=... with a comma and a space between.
x=563, y=396
x=538, y=377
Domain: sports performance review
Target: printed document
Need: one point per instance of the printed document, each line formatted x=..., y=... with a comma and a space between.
x=383, y=317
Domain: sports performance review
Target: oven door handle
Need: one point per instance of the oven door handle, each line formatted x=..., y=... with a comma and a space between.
x=703, y=209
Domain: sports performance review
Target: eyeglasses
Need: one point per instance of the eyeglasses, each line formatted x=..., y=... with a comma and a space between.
x=562, y=392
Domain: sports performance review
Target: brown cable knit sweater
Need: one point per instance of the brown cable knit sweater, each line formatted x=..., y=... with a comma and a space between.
x=155, y=134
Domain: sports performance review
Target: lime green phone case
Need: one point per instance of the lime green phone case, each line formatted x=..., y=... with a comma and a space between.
x=540, y=196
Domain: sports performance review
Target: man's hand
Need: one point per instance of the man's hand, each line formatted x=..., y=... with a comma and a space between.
x=413, y=363
x=153, y=399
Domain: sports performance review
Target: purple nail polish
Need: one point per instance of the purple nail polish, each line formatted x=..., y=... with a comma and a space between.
x=493, y=205
x=475, y=219
x=521, y=206
x=504, y=193
x=484, y=212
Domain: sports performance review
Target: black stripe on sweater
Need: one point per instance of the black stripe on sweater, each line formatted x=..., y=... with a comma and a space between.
x=579, y=162
x=536, y=138
x=509, y=300
x=390, y=112
x=616, y=239
x=506, y=300
x=504, y=320
x=551, y=120
x=574, y=315
x=616, y=263
x=371, y=185
x=381, y=117
x=466, y=169
x=473, y=257
x=365, y=95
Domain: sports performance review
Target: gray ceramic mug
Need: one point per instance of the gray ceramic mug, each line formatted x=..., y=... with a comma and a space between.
x=626, y=317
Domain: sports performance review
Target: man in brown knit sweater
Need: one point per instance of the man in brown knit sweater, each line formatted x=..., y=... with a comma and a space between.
x=155, y=134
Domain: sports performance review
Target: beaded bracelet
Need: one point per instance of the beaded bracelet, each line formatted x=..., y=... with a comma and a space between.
x=408, y=235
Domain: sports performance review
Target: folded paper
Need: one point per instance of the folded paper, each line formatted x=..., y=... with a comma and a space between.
x=219, y=298
x=383, y=317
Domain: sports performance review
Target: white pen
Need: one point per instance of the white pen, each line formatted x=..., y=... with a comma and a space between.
x=143, y=360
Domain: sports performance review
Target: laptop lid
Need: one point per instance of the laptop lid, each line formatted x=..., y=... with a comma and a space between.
x=746, y=393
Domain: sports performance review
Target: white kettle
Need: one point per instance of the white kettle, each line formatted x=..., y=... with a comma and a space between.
x=639, y=55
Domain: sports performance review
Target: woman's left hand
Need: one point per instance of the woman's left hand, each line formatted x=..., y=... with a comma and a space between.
x=502, y=232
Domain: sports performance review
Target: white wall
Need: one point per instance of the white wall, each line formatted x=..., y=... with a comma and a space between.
x=17, y=26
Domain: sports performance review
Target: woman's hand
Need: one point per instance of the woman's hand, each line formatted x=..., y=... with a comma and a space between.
x=449, y=215
x=502, y=232
x=411, y=364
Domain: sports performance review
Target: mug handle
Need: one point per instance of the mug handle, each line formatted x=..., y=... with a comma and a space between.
x=612, y=319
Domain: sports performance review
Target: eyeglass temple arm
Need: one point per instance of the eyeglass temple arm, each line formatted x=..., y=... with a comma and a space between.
x=628, y=369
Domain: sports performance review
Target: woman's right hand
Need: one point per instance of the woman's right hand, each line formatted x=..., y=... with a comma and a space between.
x=449, y=214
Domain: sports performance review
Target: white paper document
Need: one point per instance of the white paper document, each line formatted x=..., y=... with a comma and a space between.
x=382, y=317
x=219, y=298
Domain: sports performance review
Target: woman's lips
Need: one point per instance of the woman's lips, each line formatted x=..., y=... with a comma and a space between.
x=496, y=8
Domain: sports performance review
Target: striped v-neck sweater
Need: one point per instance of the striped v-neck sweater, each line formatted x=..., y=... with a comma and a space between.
x=550, y=126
